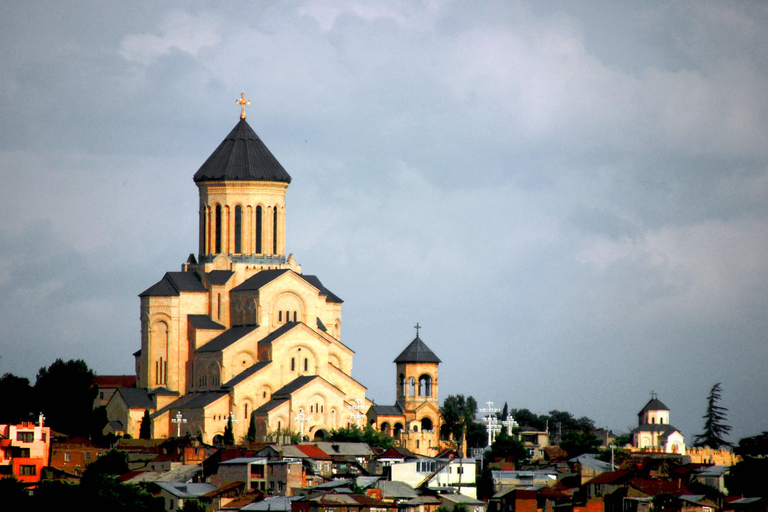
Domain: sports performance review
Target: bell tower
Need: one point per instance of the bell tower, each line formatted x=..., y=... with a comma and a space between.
x=416, y=374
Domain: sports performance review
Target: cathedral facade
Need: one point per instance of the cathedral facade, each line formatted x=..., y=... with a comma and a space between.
x=241, y=331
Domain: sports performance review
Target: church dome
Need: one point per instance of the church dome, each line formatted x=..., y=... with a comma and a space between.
x=242, y=156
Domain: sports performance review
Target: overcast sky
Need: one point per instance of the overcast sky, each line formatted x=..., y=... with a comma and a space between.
x=569, y=197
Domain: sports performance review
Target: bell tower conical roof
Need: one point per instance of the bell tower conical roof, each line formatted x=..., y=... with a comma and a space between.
x=417, y=352
x=242, y=156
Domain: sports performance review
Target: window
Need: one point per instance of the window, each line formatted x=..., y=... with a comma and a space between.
x=411, y=387
x=306, y=364
x=293, y=364
x=25, y=437
x=24, y=453
x=258, y=230
x=274, y=232
x=279, y=316
x=425, y=385
x=238, y=224
x=101, y=395
x=27, y=470
x=67, y=456
x=88, y=456
x=218, y=228
x=294, y=316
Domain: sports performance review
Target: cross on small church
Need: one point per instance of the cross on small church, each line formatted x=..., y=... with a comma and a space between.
x=654, y=396
x=301, y=419
x=417, y=326
x=178, y=420
x=242, y=102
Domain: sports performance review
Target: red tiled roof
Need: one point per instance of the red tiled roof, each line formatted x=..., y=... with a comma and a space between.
x=313, y=451
x=610, y=477
x=655, y=486
x=115, y=381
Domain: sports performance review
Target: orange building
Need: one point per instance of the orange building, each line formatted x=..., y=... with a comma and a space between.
x=24, y=450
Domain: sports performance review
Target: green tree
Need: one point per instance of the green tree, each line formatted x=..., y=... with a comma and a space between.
x=18, y=401
x=458, y=413
x=65, y=392
x=229, y=433
x=577, y=443
x=485, y=490
x=747, y=478
x=755, y=446
x=506, y=446
x=193, y=505
x=113, y=463
x=145, y=431
x=368, y=435
x=715, y=427
x=251, y=435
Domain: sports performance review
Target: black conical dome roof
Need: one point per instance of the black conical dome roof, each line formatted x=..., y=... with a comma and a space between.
x=242, y=156
x=417, y=352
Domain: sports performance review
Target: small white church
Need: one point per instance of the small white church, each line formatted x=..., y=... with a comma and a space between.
x=654, y=433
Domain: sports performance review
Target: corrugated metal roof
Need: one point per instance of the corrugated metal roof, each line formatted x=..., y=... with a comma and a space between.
x=417, y=352
x=242, y=156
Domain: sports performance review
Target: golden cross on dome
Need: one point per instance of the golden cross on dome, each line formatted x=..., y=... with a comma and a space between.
x=242, y=102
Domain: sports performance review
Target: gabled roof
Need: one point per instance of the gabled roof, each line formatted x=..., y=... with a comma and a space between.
x=184, y=490
x=312, y=451
x=387, y=410
x=115, y=381
x=136, y=398
x=270, y=405
x=269, y=338
x=227, y=338
x=265, y=277
x=242, y=156
x=330, y=296
x=204, y=322
x=259, y=279
x=162, y=392
x=666, y=428
x=417, y=352
x=219, y=277
x=173, y=283
x=610, y=477
x=295, y=385
x=200, y=400
x=654, y=404
x=237, y=379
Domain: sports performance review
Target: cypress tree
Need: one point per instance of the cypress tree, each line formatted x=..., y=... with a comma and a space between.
x=715, y=427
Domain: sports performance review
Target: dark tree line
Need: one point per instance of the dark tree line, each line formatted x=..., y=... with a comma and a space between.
x=63, y=392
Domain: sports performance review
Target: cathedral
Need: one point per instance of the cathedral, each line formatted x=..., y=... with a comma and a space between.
x=241, y=331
